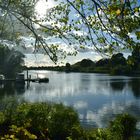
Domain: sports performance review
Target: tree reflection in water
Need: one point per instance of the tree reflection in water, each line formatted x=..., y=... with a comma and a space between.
x=118, y=85
x=11, y=88
x=135, y=86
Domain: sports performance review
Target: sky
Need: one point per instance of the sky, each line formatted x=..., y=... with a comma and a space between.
x=43, y=60
x=39, y=59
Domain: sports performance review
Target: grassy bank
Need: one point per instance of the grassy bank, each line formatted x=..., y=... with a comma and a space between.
x=47, y=121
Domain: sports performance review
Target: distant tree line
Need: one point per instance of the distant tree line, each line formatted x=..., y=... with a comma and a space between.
x=116, y=65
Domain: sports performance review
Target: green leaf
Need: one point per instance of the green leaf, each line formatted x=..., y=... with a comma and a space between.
x=137, y=34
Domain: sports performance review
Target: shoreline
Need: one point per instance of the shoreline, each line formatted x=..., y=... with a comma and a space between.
x=135, y=73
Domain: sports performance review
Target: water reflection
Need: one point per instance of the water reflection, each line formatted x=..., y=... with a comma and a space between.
x=85, y=82
x=96, y=97
x=102, y=117
x=7, y=89
x=118, y=86
x=20, y=88
x=11, y=88
x=135, y=86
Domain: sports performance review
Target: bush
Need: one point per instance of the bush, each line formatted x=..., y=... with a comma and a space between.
x=43, y=121
x=19, y=133
x=123, y=127
x=39, y=120
x=62, y=120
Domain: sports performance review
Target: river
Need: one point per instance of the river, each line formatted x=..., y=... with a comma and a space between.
x=97, y=98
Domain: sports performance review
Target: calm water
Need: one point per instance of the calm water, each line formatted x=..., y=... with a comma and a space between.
x=96, y=97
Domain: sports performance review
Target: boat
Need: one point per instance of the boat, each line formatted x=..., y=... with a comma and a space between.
x=43, y=80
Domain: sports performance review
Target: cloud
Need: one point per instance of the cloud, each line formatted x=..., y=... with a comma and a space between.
x=86, y=49
x=133, y=36
x=80, y=105
x=79, y=33
x=37, y=60
x=42, y=6
x=108, y=112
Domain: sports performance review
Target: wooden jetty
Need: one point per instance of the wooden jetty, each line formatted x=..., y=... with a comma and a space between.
x=20, y=79
x=39, y=80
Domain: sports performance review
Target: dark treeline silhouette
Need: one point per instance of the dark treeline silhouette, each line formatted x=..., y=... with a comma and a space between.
x=116, y=65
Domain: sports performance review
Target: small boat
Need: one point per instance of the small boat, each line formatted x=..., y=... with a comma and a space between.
x=43, y=80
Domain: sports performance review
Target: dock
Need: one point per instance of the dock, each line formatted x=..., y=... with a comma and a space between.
x=20, y=79
x=39, y=80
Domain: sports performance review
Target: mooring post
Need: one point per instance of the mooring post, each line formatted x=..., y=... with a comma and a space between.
x=27, y=76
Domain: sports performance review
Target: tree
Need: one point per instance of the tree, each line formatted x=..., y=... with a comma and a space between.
x=118, y=65
x=86, y=63
x=11, y=61
x=104, y=25
x=134, y=59
x=123, y=127
x=103, y=62
x=117, y=59
x=68, y=67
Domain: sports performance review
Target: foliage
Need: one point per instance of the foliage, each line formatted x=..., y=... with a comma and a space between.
x=86, y=63
x=123, y=126
x=117, y=59
x=37, y=121
x=65, y=118
x=106, y=26
x=10, y=58
x=103, y=62
x=18, y=133
x=134, y=59
x=68, y=67
x=44, y=121
x=116, y=65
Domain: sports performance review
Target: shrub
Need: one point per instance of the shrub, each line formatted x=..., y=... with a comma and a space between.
x=123, y=126
x=62, y=120
x=42, y=121
x=18, y=133
x=39, y=119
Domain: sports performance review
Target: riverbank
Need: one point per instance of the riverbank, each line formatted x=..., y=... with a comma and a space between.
x=117, y=65
x=100, y=70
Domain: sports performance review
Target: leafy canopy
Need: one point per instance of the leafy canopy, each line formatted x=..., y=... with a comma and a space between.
x=107, y=26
